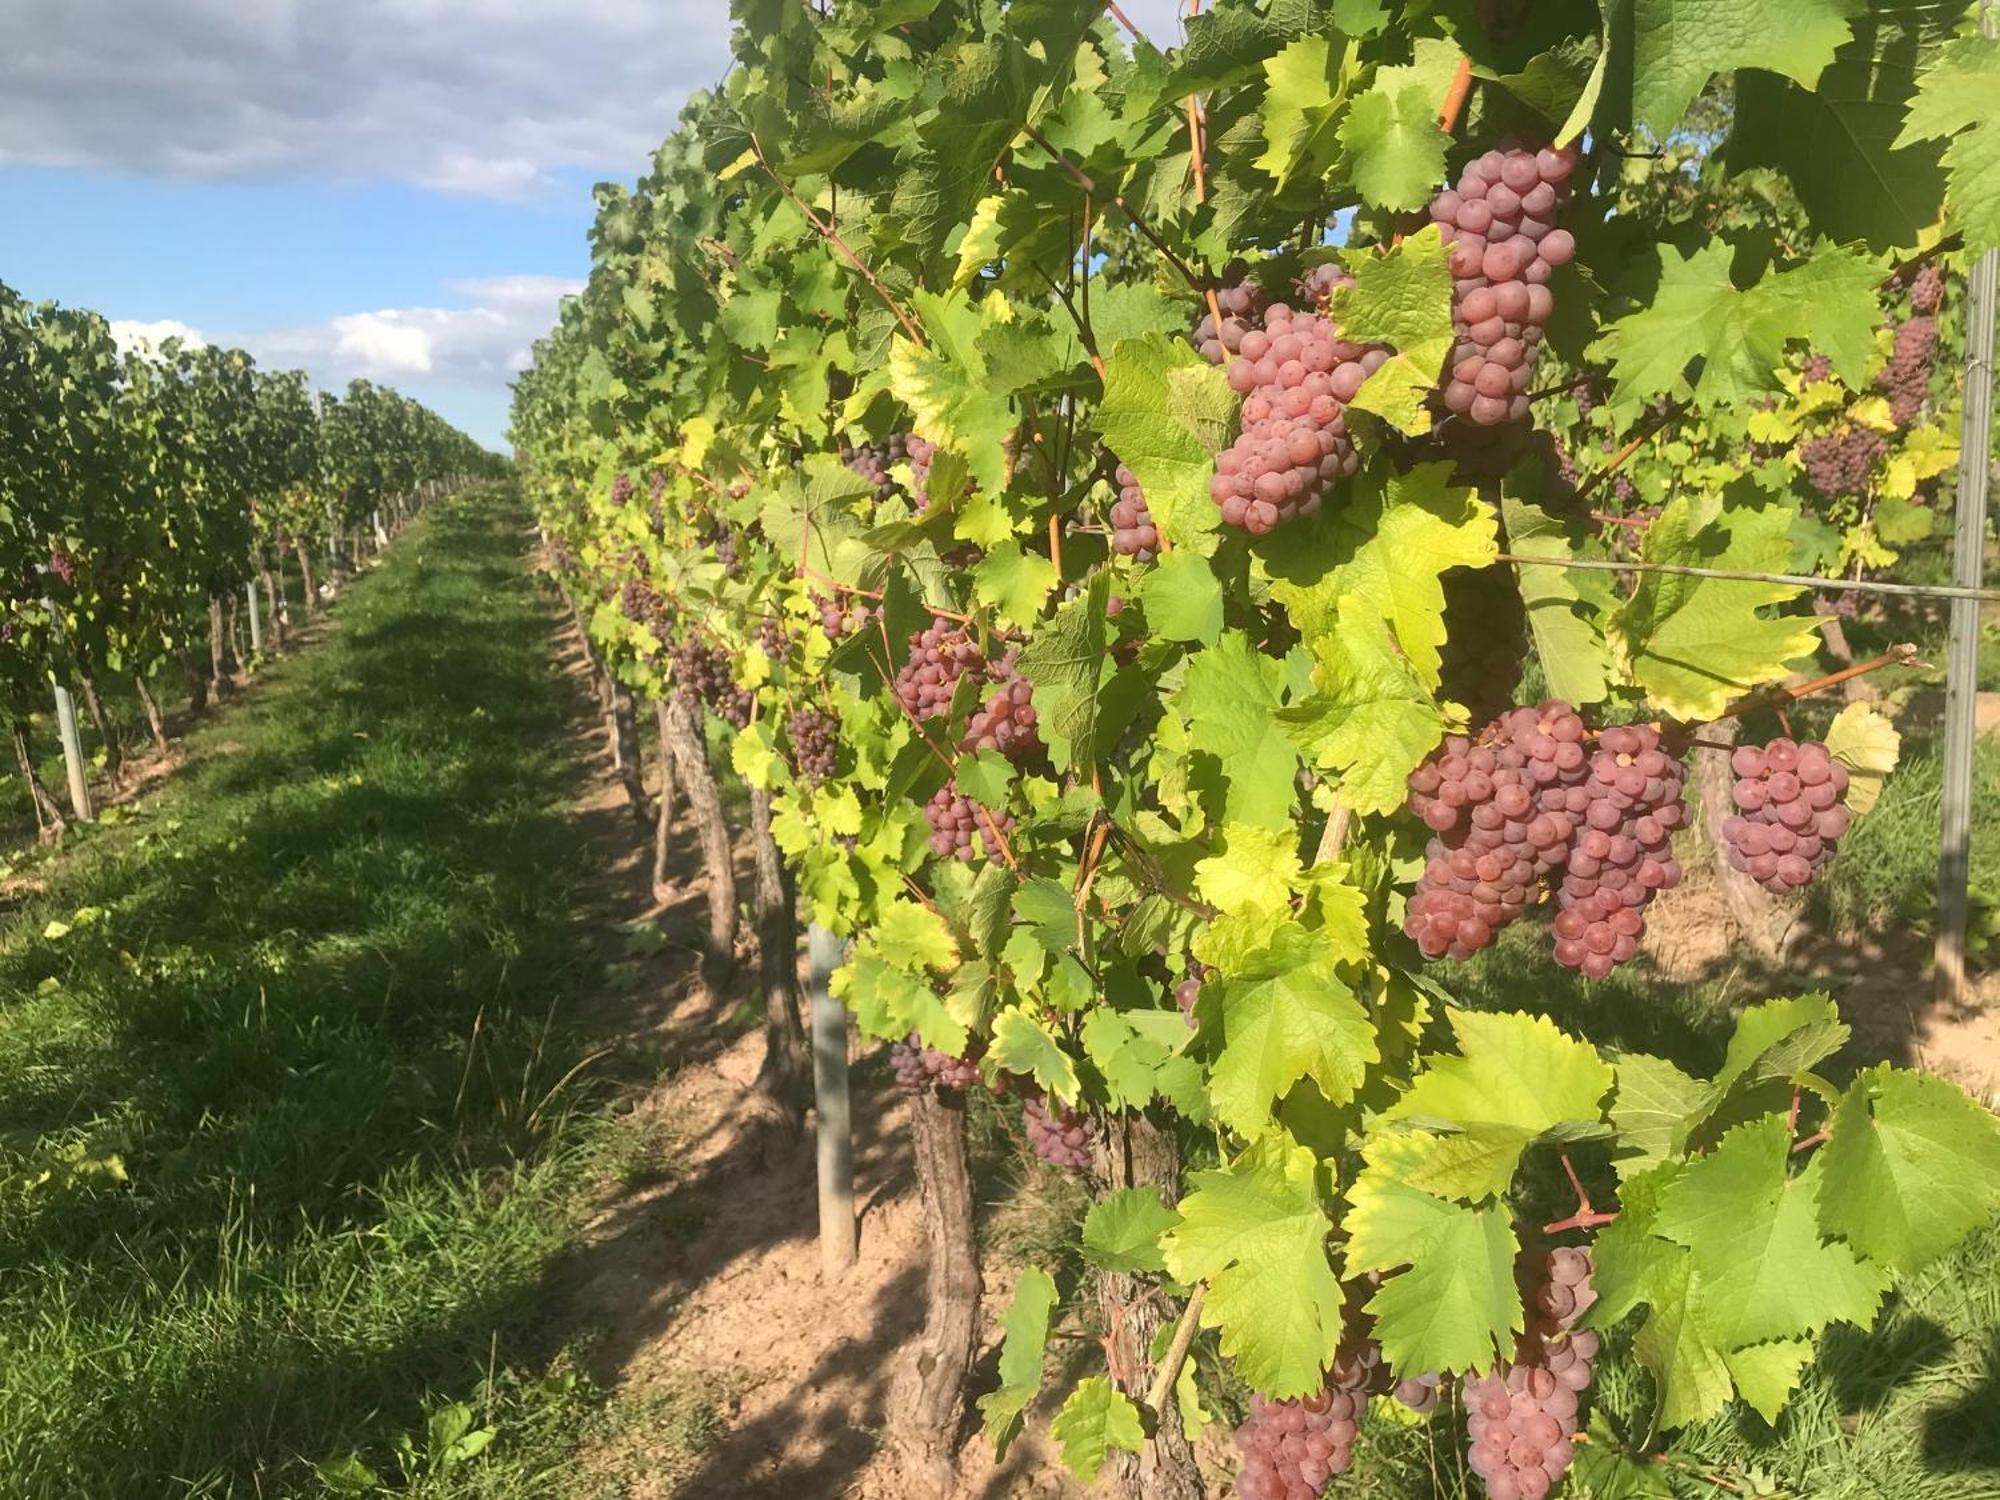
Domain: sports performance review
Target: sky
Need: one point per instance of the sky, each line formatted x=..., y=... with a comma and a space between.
x=397, y=190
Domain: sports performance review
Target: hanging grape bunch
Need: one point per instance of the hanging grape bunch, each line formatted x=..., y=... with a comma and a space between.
x=872, y=461
x=1485, y=639
x=815, y=742
x=771, y=637
x=921, y=452
x=1500, y=222
x=940, y=654
x=1241, y=303
x=1005, y=722
x=1522, y=1419
x=1791, y=802
x=1059, y=1136
x=842, y=616
x=1927, y=288
x=1906, y=378
x=621, y=488
x=1838, y=464
x=1622, y=857
x=1133, y=533
x=62, y=563
x=638, y=602
x=918, y=1067
x=1188, y=991
x=960, y=828
x=1292, y=1449
x=701, y=673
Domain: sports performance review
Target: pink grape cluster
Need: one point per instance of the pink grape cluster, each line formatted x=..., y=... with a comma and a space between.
x=1059, y=1136
x=1005, y=722
x=1927, y=288
x=1241, y=303
x=1291, y=1450
x=771, y=637
x=1840, y=463
x=1133, y=533
x=1522, y=1419
x=960, y=828
x=1296, y=375
x=921, y=452
x=872, y=461
x=1188, y=991
x=918, y=1067
x=1627, y=810
x=638, y=602
x=701, y=674
x=815, y=736
x=940, y=654
x=1817, y=368
x=1906, y=378
x=842, y=616
x=1791, y=802
x=1501, y=224
x=62, y=563
x=621, y=488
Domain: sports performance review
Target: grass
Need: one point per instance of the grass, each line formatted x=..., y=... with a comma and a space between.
x=289, y=1150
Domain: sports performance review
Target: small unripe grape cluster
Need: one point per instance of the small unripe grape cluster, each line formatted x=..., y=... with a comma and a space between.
x=1133, y=533
x=771, y=637
x=621, y=488
x=1906, y=378
x=1059, y=1136
x=1241, y=303
x=842, y=615
x=815, y=736
x=1296, y=375
x=1188, y=991
x=873, y=461
x=1522, y=1419
x=918, y=1067
x=940, y=654
x=1500, y=222
x=1005, y=722
x=1840, y=464
x=1791, y=802
x=960, y=828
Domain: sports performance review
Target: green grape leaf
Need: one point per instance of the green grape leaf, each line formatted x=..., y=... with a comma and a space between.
x=1678, y=45
x=1229, y=697
x=1401, y=297
x=1166, y=413
x=1016, y=583
x=1022, y=1349
x=889, y=1003
x=1372, y=720
x=987, y=777
x=1254, y=870
x=1767, y=1374
x=1912, y=1166
x=946, y=385
x=1305, y=89
x=914, y=937
x=1287, y=1015
x=1655, y=1110
x=1514, y=1078
x=1022, y=1044
x=1122, y=1231
x=1780, y=1039
x=1066, y=661
x=1394, y=140
x=1568, y=631
x=1866, y=742
x=1690, y=1374
x=1954, y=102
x=1096, y=1418
x=1183, y=598
x=1753, y=1238
x=1255, y=1232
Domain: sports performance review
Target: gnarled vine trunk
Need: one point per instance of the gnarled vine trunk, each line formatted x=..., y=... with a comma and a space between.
x=1139, y=1153
x=625, y=754
x=782, y=1078
x=50, y=824
x=1763, y=922
x=197, y=680
x=663, y=810
x=310, y=584
x=107, y=727
x=705, y=802
x=928, y=1397
x=219, y=684
x=275, y=598
x=156, y=721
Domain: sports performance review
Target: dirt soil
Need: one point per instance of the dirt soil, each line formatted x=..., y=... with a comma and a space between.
x=704, y=1274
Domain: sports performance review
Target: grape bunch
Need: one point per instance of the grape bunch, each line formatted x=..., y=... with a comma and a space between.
x=841, y=617
x=1906, y=378
x=621, y=488
x=701, y=674
x=1291, y=1449
x=872, y=461
x=1418, y=1393
x=1501, y=224
x=1839, y=463
x=815, y=742
x=638, y=602
x=771, y=637
x=1927, y=288
x=1296, y=375
x=940, y=654
x=960, y=828
x=1791, y=802
x=1188, y=991
x=1241, y=303
x=1005, y=721
x=1059, y=1136
x=657, y=520
x=921, y=451
x=720, y=538
x=1817, y=368
x=1623, y=856
x=1522, y=1419
x=918, y=1067
x=62, y=563
x=656, y=487
x=1485, y=638
x=1133, y=533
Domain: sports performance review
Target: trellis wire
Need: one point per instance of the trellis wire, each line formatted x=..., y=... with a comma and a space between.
x=1731, y=575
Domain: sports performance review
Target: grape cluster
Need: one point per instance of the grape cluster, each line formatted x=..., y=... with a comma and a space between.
x=1485, y=638
x=1419, y=1393
x=771, y=637
x=1296, y=375
x=1791, y=802
x=960, y=828
x=940, y=654
x=815, y=742
x=62, y=563
x=621, y=488
x=921, y=451
x=1241, y=303
x=1501, y=224
x=657, y=520
x=1627, y=810
x=638, y=602
x=1927, y=288
x=1522, y=1419
x=701, y=674
x=918, y=1067
x=1839, y=463
x=656, y=487
x=1188, y=991
x=1005, y=721
x=1291, y=1449
x=1906, y=378
x=872, y=461
x=841, y=617
x=1133, y=533
x=1059, y=1136
x=1817, y=368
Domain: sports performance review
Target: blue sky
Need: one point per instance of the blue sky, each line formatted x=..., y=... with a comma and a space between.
x=392, y=189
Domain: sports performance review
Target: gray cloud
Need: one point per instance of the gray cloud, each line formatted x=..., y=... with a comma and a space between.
x=474, y=96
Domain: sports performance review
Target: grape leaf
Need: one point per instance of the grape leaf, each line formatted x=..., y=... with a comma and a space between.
x=1022, y=1044
x=1392, y=134
x=1287, y=1015
x=1304, y=94
x=1015, y=582
x=1026, y=1326
x=889, y=1003
x=1097, y=1418
x=1514, y=1078
x=1678, y=45
x=1781, y=1038
x=1066, y=662
x=1256, y=868
x=1912, y=1165
x=1867, y=744
x=1753, y=1240
x=1230, y=699
x=1954, y=102
x=1122, y=1230
x=1166, y=413
x=1655, y=1110
x=1372, y=720
x=1568, y=635
x=1401, y=297
x=914, y=937
x=946, y=386
x=1767, y=1374
x=1689, y=1371
x=1183, y=598
x=1255, y=1232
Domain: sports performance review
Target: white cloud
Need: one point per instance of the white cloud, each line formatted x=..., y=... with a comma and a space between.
x=147, y=337
x=473, y=96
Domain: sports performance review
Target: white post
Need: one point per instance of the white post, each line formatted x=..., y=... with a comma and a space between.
x=256, y=617
x=835, y=1127
x=72, y=743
